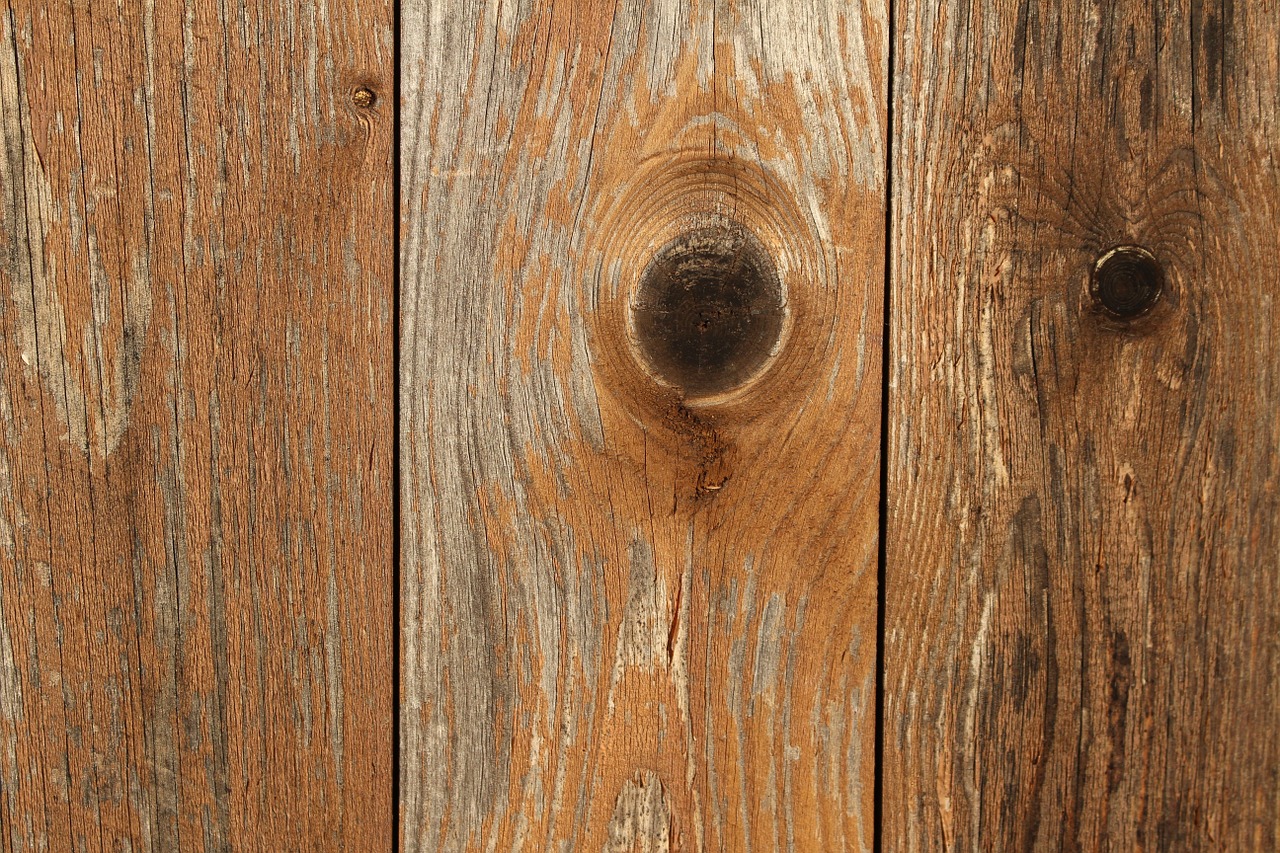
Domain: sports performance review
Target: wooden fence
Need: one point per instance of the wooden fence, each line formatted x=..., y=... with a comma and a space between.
x=733, y=425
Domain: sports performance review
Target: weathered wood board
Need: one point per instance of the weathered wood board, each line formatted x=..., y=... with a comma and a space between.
x=196, y=421
x=1083, y=578
x=643, y=263
x=639, y=613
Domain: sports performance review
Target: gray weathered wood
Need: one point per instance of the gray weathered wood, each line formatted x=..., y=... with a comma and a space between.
x=636, y=618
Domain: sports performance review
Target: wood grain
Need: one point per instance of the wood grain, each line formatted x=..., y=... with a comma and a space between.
x=196, y=411
x=635, y=618
x=1083, y=578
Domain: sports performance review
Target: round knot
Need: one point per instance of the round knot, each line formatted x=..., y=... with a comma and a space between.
x=1126, y=282
x=708, y=311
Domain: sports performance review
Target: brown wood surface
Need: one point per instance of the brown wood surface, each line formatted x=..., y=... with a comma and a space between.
x=639, y=562
x=635, y=618
x=1083, y=578
x=196, y=564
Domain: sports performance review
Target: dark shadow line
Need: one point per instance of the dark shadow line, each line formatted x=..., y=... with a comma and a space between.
x=397, y=562
x=885, y=366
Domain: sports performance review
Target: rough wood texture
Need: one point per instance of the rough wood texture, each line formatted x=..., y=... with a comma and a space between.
x=196, y=421
x=1083, y=593
x=634, y=619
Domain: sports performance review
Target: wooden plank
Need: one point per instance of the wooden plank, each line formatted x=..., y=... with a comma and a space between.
x=1083, y=576
x=195, y=472
x=639, y=612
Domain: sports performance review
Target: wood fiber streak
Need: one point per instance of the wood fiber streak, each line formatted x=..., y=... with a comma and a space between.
x=634, y=619
x=1083, y=578
x=196, y=374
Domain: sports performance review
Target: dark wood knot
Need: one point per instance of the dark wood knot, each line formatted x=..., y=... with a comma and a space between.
x=364, y=97
x=1127, y=282
x=709, y=310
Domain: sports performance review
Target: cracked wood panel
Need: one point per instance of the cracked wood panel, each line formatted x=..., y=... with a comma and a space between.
x=1083, y=579
x=195, y=401
x=637, y=618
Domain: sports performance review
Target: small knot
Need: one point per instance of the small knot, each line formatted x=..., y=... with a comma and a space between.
x=364, y=97
x=1127, y=281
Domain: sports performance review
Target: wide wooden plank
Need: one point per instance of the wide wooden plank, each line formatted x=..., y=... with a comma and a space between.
x=640, y=498
x=1083, y=576
x=196, y=408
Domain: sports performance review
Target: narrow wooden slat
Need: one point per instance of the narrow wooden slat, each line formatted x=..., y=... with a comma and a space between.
x=639, y=613
x=1083, y=577
x=195, y=411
